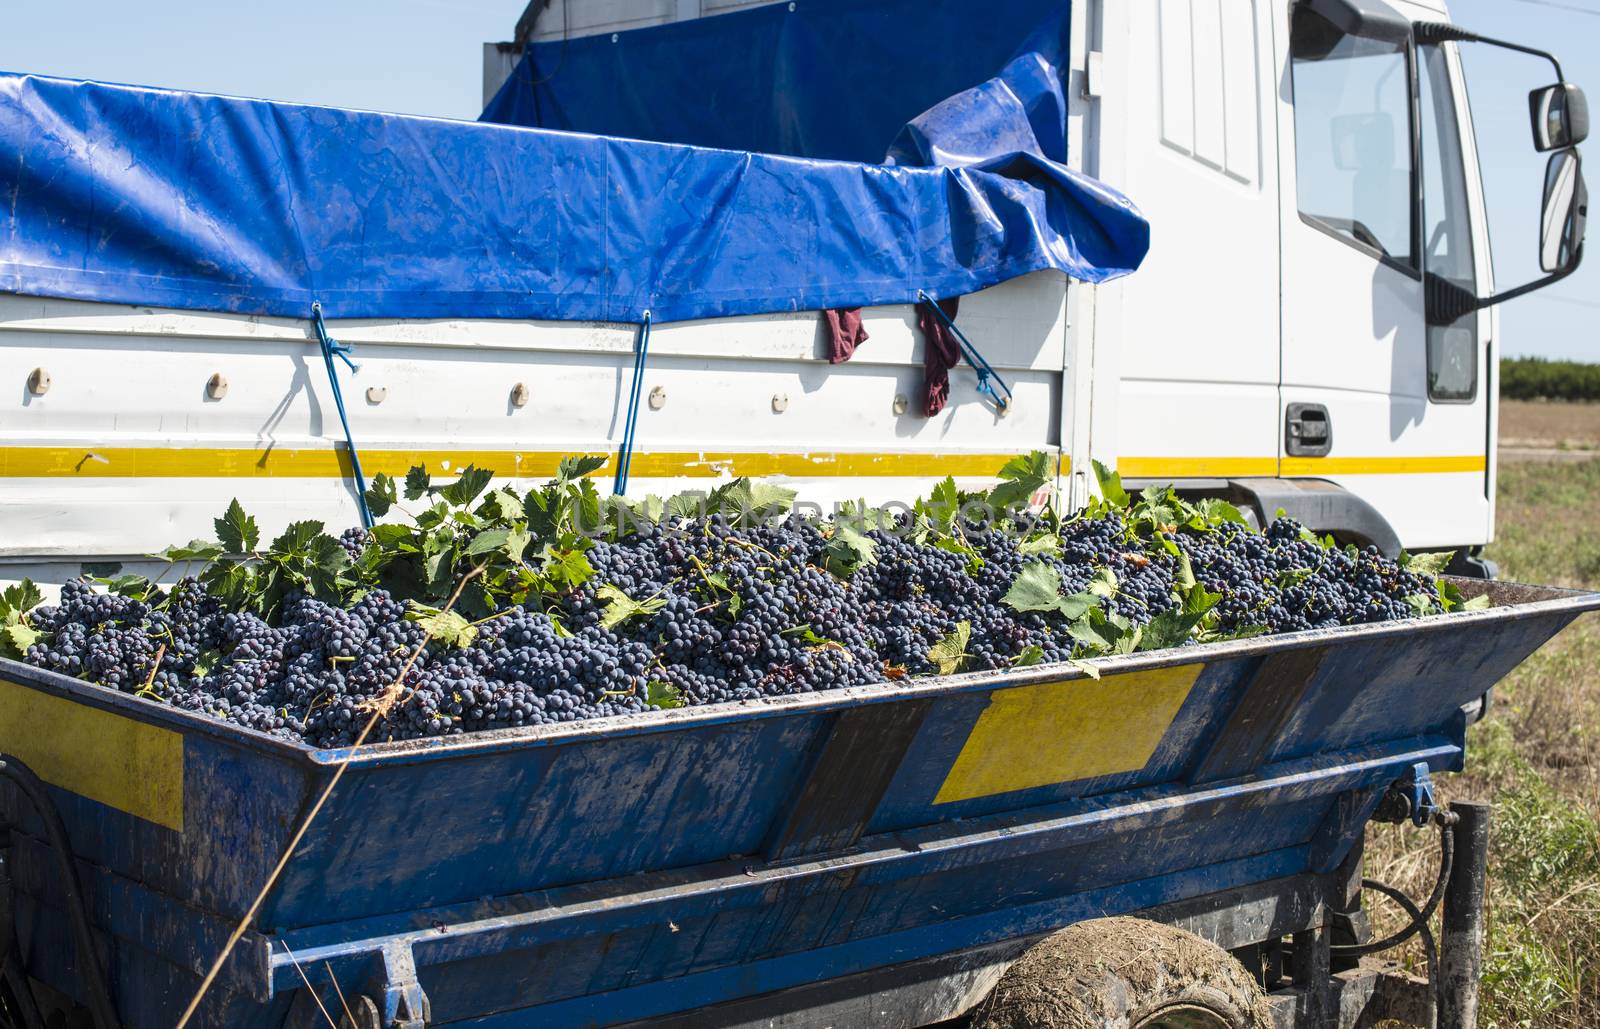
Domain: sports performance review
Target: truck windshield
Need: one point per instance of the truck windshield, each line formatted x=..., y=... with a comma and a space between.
x=1352, y=122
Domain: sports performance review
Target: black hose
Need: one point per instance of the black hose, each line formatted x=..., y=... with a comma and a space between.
x=1419, y=919
x=32, y=787
x=1419, y=923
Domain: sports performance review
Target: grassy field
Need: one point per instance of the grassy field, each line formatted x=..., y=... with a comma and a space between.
x=1538, y=760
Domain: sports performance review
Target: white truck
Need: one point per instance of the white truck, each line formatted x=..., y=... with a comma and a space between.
x=1313, y=329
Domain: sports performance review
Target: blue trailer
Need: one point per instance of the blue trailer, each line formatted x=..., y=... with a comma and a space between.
x=875, y=855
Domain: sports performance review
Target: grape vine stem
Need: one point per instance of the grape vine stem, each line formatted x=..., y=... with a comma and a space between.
x=388, y=699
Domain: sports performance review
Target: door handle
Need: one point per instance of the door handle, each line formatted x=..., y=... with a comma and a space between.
x=1308, y=430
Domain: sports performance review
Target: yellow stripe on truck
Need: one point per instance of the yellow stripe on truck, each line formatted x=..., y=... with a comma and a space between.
x=314, y=463
x=132, y=766
x=1058, y=732
x=1289, y=467
x=282, y=462
x=1197, y=467
x=1383, y=465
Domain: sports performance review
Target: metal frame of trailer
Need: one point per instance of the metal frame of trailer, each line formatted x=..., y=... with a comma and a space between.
x=796, y=862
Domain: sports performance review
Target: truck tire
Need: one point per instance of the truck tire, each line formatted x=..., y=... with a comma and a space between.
x=1125, y=973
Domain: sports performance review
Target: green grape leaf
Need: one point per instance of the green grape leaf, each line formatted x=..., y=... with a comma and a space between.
x=1420, y=604
x=381, y=495
x=1172, y=627
x=500, y=505
x=944, y=504
x=690, y=504
x=1104, y=583
x=1184, y=578
x=662, y=695
x=391, y=536
x=1294, y=577
x=620, y=607
x=237, y=531
x=296, y=539
x=207, y=661
x=194, y=550
x=1214, y=511
x=17, y=637
x=1427, y=564
x=1048, y=544
x=487, y=542
x=809, y=637
x=1111, y=486
x=1197, y=600
x=18, y=599
x=1088, y=668
x=449, y=628
x=1038, y=588
x=848, y=550
x=1105, y=632
x=579, y=466
x=136, y=587
x=418, y=483
x=466, y=488
x=1020, y=479
x=950, y=652
x=1031, y=655
x=566, y=569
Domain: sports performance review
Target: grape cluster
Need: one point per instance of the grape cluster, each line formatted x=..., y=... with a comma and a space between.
x=726, y=614
x=1282, y=582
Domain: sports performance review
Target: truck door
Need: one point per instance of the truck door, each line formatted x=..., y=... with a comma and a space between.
x=1374, y=192
x=1187, y=130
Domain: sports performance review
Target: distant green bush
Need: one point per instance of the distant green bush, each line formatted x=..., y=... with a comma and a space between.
x=1534, y=378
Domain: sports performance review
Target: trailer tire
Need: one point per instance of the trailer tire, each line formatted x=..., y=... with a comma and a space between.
x=1125, y=973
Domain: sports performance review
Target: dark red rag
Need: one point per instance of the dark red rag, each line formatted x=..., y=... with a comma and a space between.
x=940, y=353
x=845, y=333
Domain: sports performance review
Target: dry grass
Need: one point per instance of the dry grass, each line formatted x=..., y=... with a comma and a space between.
x=1549, y=425
x=1538, y=759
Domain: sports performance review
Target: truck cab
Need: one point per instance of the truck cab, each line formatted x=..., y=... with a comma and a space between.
x=1313, y=171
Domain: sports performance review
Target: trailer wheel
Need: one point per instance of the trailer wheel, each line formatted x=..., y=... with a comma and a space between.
x=1125, y=973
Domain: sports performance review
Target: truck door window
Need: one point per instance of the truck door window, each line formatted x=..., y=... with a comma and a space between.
x=1352, y=128
x=1447, y=230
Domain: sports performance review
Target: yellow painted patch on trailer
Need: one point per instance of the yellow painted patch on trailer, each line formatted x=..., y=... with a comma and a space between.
x=1058, y=732
x=128, y=765
x=287, y=462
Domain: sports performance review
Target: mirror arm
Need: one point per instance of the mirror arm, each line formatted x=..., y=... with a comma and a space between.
x=1443, y=32
x=1446, y=301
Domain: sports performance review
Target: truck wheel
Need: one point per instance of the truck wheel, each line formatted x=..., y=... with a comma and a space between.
x=1125, y=973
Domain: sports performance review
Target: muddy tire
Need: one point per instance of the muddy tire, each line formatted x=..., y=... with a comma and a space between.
x=1125, y=973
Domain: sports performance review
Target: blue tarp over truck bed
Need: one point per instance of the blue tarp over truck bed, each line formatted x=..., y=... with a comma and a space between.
x=148, y=196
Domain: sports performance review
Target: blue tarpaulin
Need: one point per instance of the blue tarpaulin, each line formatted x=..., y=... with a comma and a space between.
x=148, y=196
x=831, y=79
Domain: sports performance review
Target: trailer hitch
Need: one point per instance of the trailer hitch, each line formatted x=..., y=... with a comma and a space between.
x=1410, y=797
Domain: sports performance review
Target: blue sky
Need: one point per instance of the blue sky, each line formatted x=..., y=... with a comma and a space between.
x=424, y=57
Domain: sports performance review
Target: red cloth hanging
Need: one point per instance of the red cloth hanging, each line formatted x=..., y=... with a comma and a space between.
x=940, y=353
x=845, y=332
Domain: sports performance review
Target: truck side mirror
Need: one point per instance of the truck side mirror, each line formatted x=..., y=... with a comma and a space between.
x=1560, y=116
x=1561, y=227
x=1566, y=210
